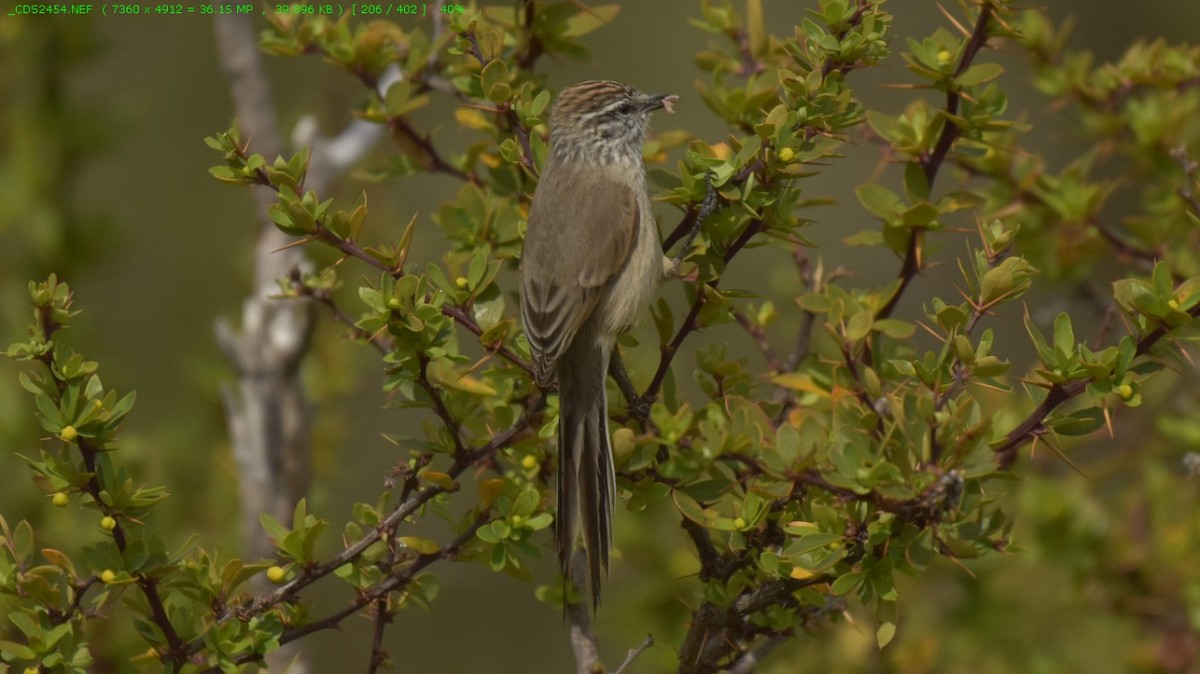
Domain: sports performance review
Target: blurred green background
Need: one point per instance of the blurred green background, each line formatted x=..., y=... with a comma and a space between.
x=103, y=179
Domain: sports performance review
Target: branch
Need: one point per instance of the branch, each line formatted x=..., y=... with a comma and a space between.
x=177, y=648
x=697, y=212
x=583, y=640
x=752, y=658
x=710, y=559
x=932, y=163
x=1187, y=192
x=720, y=633
x=379, y=656
x=431, y=161
x=394, y=583
x=383, y=343
x=524, y=62
x=689, y=324
x=176, y=653
x=1034, y=424
x=439, y=405
x=774, y=364
x=634, y=652
x=287, y=591
x=351, y=249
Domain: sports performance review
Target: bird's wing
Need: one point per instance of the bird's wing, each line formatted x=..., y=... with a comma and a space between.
x=570, y=257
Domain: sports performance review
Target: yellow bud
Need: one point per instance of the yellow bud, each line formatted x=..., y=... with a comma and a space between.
x=393, y=302
x=1125, y=391
x=107, y=576
x=68, y=433
x=943, y=57
x=60, y=499
x=623, y=444
x=786, y=154
x=32, y=670
x=740, y=523
x=276, y=574
x=1173, y=303
x=529, y=462
x=107, y=523
x=460, y=282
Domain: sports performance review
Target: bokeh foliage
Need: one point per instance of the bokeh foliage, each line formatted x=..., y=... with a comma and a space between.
x=880, y=441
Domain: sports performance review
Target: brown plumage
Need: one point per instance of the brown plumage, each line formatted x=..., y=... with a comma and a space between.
x=591, y=262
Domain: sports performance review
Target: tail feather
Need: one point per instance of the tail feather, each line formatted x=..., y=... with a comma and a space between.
x=586, y=482
x=596, y=507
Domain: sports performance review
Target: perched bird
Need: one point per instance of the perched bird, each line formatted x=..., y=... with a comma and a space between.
x=591, y=262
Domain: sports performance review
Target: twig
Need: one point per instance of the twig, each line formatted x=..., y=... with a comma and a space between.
x=510, y=115
x=634, y=652
x=177, y=653
x=932, y=163
x=1187, y=192
x=689, y=323
x=382, y=342
x=808, y=318
x=760, y=338
x=432, y=161
x=379, y=656
x=439, y=405
x=1034, y=424
x=583, y=640
x=752, y=658
x=459, y=314
x=710, y=559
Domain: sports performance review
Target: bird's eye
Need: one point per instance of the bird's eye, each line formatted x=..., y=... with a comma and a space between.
x=624, y=109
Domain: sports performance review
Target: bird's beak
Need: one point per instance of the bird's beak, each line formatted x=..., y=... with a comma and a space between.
x=662, y=101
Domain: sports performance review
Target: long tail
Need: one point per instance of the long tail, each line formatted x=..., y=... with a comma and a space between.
x=586, y=481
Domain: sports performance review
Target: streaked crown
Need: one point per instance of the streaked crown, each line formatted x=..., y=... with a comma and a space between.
x=601, y=121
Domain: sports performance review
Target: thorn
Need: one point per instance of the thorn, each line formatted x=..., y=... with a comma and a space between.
x=1070, y=463
x=299, y=242
x=962, y=29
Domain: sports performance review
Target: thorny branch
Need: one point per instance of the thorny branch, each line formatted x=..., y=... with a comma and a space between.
x=689, y=224
x=177, y=648
x=1034, y=425
x=287, y=592
x=932, y=162
x=351, y=249
x=395, y=582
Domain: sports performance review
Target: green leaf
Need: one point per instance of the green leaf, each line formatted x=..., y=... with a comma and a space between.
x=895, y=328
x=916, y=185
x=274, y=529
x=13, y=650
x=879, y=200
x=859, y=325
x=847, y=583
x=885, y=633
x=1081, y=422
x=809, y=543
x=979, y=73
x=1064, y=335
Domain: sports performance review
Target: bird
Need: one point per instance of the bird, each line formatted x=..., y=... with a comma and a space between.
x=590, y=263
